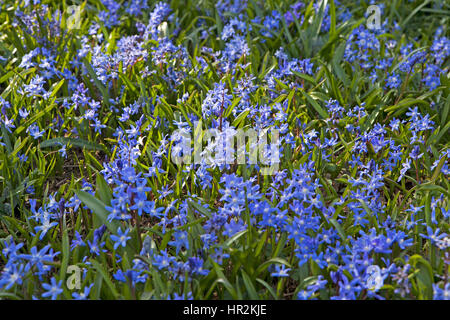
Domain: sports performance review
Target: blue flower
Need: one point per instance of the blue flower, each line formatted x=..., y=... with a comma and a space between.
x=180, y=240
x=281, y=271
x=83, y=295
x=121, y=238
x=393, y=81
x=33, y=130
x=53, y=289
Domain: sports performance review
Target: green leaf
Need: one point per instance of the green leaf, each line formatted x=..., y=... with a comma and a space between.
x=221, y=278
x=200, y=208
x=268, y=287
x=315, y=105
x=240, y=119
x=249, y=286
x=424, y=276
x=98, y=209
x=56, y=88
x=234, y=238
x=65, y=255
x=103, y=189
x=339, y=229
x=438, y=169
x=81, y=143
x=97, y=82
x=106, y=278
x=266, y=264
x=305, y=77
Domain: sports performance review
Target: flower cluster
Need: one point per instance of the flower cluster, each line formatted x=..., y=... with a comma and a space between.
x=92, y=119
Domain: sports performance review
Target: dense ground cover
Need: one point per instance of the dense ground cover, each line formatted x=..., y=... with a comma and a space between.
x=95, y=97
